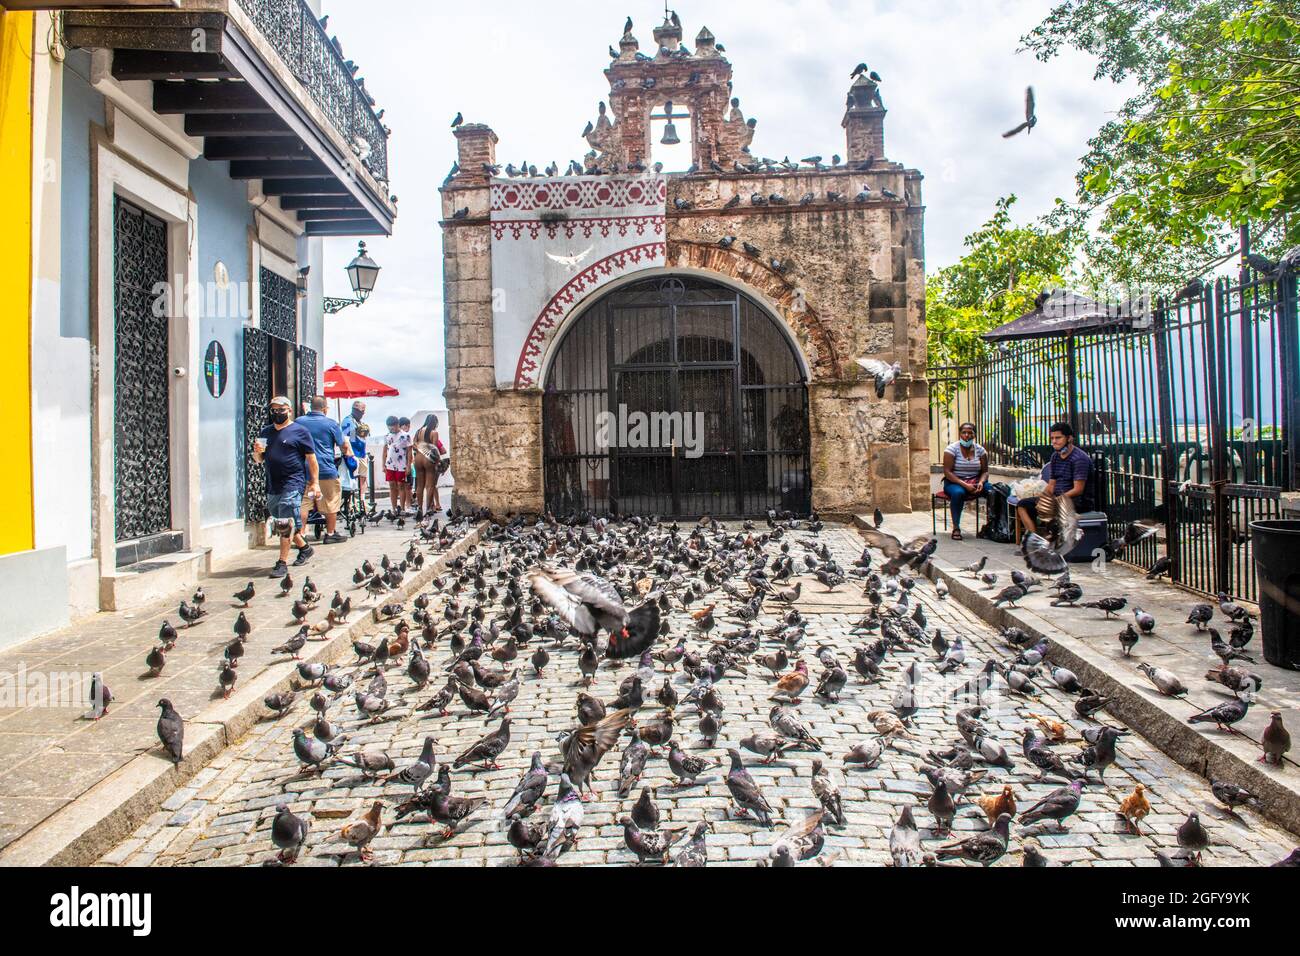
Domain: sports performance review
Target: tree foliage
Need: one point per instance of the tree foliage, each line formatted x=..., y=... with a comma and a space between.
x=1210, y=142
x=1004, y=269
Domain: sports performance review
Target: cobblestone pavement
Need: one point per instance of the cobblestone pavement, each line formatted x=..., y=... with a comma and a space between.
x=51, y=754
x=223, y=817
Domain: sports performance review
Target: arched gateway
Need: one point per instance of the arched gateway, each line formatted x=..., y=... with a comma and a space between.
x=676, y=396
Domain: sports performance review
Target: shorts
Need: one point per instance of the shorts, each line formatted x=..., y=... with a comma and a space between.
x=331, y=499
x=286, y=505
x=394, y=477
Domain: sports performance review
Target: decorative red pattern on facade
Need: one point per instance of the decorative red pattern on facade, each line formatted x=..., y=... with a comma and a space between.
x=603, y=226
x=564, y=300
x=556, y=195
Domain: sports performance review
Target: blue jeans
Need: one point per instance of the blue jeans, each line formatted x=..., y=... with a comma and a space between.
x=285, y=506
x=958, y=496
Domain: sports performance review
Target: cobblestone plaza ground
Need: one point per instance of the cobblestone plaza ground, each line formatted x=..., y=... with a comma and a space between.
x=222, y=816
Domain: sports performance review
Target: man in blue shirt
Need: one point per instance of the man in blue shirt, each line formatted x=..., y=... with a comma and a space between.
x=330, y=445
x=1066, y=474
x=287, y=450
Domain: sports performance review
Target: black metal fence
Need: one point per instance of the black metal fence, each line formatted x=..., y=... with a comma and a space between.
x=1193, y=416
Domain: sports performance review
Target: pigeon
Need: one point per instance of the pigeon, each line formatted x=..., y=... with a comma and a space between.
x=1200, y=615
x=370, y=764
x=418, y=772
x=1109, y=605
x=695, y=852
x=246, y=595
x=529, y=791
x=1276, y=740
x=1224, y=715
x=584, y=747
x=1057, y=805
x=984, y=848
x=565, y=820
x=867, y=754
x=653, y=844
x=827, y=792
x=685, y=767
x=289, y=833
x=311, y=752
x=744, y=791
x=884, y=375
x=359, y=833
x=1231, y=795
x=1192, y=835
x=1031, y=116
x=1165, y=681
x=171, y=730
x=905, y=841
x=486, y=750
x=799, y=843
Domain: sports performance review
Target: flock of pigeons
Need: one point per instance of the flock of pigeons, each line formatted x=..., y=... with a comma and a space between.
x=685, y=603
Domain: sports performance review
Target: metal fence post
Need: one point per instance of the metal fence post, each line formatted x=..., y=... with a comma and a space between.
x=1164, y=397
x=1289, y=347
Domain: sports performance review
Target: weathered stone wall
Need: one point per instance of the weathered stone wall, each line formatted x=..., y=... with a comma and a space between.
x=858, y=271
x=853, y=286
x=849, y=282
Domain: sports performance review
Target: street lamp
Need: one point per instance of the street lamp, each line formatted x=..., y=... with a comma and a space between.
x=362, y=273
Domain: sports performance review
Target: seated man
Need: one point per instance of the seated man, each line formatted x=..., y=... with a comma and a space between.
x=1066, y=474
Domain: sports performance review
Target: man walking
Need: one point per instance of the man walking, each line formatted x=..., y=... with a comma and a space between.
x=331, y=445
x=1066, y=474
x=287, y=450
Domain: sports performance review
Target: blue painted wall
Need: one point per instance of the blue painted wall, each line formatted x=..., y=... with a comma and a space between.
x=82, y=106
x=224, y=220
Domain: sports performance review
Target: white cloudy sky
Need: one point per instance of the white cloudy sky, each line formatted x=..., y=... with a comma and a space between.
x=953, y=82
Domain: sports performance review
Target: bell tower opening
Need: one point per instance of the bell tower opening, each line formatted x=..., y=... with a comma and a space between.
x=672, y=137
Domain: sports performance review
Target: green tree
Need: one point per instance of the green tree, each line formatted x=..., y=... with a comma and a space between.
x=1004, y=269
x=1208, y=144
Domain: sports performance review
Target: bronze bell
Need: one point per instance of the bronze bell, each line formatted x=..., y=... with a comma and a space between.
x=670, y=131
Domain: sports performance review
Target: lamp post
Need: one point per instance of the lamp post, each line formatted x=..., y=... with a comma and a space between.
x=363, y=272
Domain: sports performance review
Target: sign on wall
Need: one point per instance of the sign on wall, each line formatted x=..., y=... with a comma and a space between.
x=215, y=369
x=554, y=242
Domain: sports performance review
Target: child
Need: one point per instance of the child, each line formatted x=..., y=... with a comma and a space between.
x=397, y=459
x=405, y=425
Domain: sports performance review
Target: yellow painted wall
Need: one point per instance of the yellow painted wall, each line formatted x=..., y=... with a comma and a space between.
x=16, y=519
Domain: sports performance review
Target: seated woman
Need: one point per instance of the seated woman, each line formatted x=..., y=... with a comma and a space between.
x=965, y=473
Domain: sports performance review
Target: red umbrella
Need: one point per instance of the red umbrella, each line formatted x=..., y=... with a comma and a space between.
x=345, y=383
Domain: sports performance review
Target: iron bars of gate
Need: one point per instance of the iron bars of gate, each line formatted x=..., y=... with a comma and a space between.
x=1193, y=417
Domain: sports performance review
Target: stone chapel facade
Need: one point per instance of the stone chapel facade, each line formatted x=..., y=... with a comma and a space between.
x=743, y=290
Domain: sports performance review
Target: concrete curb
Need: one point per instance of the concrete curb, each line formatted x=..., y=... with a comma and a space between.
x=110, y=811
x=1152, y=716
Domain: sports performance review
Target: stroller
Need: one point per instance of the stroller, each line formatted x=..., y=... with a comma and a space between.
x=353, y=511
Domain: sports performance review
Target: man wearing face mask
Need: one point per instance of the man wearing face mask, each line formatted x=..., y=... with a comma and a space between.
x=287, y=450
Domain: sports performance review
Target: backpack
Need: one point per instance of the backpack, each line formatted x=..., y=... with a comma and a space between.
x=999, y=525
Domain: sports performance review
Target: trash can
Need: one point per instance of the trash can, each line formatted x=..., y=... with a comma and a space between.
x=1277, y=559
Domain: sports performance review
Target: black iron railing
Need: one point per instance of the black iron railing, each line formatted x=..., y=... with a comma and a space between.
x=1194, y=420
x=305, y=48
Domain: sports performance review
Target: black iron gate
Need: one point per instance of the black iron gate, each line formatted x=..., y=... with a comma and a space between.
x=257, y=396
x=141, y=375
x=676, y=397
x=306, y=374
x=1192, y=416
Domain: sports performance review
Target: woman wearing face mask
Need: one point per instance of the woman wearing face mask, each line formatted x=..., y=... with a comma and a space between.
x=965, y=473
